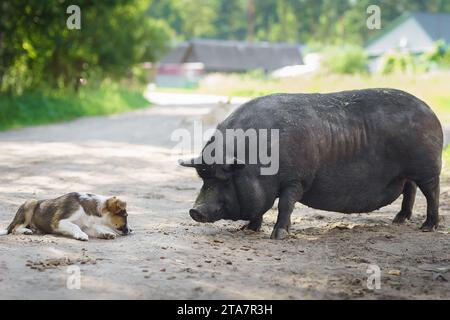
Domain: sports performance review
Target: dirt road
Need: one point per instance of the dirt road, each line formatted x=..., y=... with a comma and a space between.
x=171, y=256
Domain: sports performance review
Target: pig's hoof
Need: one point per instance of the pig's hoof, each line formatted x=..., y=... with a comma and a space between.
x=256, y=227
x=279, y=234
x=429, y=226
x=401, y=217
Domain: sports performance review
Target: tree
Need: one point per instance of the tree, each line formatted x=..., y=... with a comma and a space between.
x=38, y=49
x=230, y=22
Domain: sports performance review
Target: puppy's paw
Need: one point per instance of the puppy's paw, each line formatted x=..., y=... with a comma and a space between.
x=107, y=236
x=22, y=231
x=81, y=236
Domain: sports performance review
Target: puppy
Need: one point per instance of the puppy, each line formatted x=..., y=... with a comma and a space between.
x=75, y=215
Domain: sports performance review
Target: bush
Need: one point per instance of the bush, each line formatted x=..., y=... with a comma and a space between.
x=257, y=74
x=345, y=60
x=36, y=49
x=398, y=62
x=440, y=55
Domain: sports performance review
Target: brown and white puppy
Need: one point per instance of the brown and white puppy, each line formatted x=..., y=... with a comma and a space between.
x=76, y=215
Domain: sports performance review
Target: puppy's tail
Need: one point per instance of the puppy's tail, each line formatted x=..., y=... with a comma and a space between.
x=22, y=217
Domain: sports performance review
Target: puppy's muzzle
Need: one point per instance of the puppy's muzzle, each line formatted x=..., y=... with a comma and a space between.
x=125, y=230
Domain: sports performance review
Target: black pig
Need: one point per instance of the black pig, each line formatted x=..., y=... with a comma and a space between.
x=350, y=152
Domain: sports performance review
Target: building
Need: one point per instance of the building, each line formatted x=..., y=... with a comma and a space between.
x=224, y=56
x=414, y=32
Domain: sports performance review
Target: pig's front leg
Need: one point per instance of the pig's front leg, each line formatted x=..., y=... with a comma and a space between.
x=254, y=225
x=286, y=203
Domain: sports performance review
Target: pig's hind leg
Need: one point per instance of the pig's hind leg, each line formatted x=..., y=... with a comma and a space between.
x=409, y=195
x=430, y=189
x=286, y=203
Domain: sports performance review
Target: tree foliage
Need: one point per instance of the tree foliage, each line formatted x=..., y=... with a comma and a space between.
x=37, y=48
x=327, y=21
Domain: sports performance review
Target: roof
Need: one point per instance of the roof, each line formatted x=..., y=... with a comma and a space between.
x=236, y=56
x=437, y=25
x=421, y=29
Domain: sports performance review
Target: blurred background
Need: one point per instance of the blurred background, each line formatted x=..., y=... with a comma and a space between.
x=244, y=48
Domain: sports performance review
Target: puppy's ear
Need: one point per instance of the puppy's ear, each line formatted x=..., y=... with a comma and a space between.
x=122, y=205
x=115, y=205
x=111, y=205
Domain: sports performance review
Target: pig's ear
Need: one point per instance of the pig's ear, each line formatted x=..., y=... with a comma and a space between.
x=192, y=163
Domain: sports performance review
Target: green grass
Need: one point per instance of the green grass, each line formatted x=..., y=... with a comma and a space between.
x=42, y=107
x=251, y=93
x=443, y=104
x=446, y=161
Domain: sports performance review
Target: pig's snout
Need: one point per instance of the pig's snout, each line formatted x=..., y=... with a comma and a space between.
x=199, y=214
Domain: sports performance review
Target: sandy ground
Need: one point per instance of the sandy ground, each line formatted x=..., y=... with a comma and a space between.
x=169, y=256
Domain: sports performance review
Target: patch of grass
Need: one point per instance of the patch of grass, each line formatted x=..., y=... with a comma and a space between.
x=250, y=93
x=446, y=162
x=42, y=107
x=443, y=103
